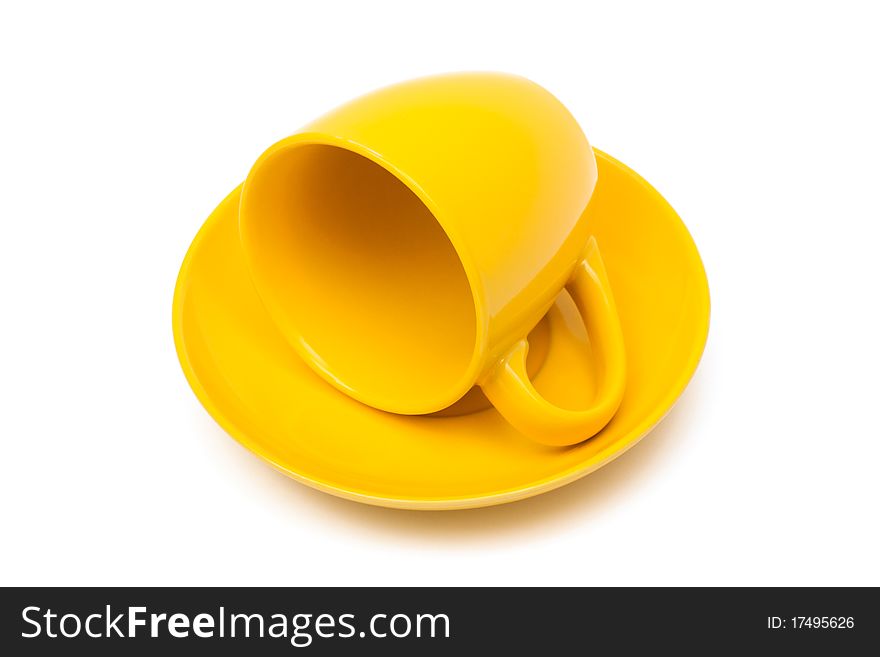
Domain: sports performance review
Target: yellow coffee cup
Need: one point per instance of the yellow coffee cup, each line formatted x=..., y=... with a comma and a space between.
x=407, y=242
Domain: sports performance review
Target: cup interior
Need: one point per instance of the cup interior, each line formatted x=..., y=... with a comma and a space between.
x=355, y=267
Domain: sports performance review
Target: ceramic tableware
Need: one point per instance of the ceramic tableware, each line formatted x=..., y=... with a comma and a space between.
x=406, y=243
x=259, y=391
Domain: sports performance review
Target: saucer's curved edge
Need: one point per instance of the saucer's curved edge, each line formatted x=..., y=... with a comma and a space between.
x=447, y=504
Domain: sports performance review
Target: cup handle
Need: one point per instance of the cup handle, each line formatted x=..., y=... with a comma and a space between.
x=511, y=392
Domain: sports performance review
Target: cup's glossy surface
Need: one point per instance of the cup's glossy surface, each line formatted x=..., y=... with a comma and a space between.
x=408, y=241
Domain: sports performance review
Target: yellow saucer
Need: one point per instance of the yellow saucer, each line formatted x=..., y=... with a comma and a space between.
x=260, y=392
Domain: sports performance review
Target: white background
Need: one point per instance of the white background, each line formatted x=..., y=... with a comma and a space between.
x=122, y=128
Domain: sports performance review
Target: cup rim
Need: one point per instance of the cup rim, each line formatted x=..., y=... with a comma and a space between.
x=475, y=366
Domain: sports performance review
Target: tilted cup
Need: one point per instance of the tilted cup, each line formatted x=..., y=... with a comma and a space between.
x=407, y=242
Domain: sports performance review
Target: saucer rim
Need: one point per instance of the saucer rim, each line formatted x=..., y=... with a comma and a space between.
x=551, y=482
